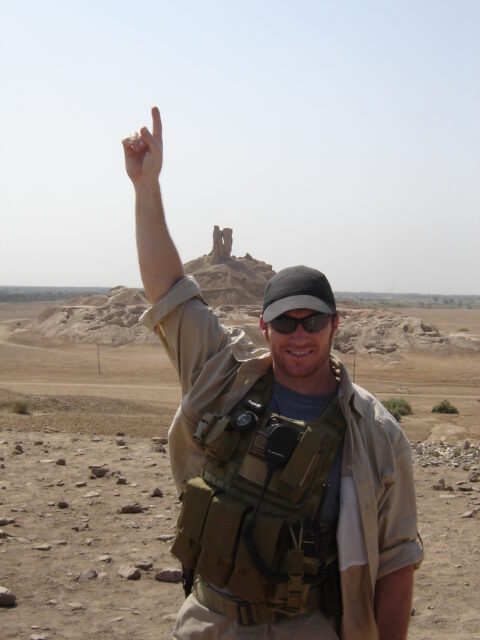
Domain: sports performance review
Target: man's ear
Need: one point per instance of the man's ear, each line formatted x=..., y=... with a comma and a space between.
x=334, y=324
x=263, y=327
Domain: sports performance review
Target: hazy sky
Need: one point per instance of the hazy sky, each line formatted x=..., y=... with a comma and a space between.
x=340, y=134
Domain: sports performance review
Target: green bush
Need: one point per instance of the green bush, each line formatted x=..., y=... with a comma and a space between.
x=444, y=407
x=398, y=407
x=21, y=406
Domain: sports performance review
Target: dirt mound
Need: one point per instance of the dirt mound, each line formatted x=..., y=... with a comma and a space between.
x=110, y=319
x=235, y=291
x=234, y=287
x=114, y=318
x=374, y=331
x=235, y=281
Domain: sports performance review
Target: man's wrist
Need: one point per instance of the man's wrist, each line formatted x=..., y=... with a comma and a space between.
x=147, y=185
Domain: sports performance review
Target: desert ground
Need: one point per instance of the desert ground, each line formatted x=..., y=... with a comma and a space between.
x=63, y=536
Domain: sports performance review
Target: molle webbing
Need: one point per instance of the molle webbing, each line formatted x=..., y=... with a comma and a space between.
x=297, y=488
x=227, y=470
x=296, y=551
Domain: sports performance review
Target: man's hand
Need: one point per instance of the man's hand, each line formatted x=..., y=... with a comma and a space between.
x=144, y=151
x=160, y=264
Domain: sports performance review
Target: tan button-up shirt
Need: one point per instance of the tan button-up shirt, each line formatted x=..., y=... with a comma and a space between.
x=377, y=527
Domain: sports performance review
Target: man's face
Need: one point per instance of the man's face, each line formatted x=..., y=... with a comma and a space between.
x=301, y=359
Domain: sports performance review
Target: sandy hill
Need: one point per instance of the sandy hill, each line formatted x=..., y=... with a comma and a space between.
x=236, y=281
x=234, y=287
x=112, y=318
x=382, y=332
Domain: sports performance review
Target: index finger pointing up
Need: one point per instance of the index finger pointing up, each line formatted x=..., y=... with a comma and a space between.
x=157, y=124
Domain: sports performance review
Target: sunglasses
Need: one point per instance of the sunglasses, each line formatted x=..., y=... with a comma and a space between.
x=312, y=324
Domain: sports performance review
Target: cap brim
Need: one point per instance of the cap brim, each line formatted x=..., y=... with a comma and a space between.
x=296, y=302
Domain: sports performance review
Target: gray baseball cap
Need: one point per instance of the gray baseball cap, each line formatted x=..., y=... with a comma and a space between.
x=297, y=288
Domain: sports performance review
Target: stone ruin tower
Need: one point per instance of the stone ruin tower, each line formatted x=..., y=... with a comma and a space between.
x=222, y=245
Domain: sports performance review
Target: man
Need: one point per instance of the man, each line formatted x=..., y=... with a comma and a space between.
x=273, y=451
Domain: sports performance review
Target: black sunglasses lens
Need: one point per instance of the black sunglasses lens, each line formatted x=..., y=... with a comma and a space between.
x=284, y=324
x=315, y=323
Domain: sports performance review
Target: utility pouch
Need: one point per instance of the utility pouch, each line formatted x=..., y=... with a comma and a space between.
x=196, y=502
x=220, y=538
x=296, y=476
x=247, y=581
x=215, y=437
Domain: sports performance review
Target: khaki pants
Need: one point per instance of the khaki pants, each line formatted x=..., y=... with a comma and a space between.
x=196, y=622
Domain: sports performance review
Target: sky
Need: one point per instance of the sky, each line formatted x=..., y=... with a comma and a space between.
x=340, y=134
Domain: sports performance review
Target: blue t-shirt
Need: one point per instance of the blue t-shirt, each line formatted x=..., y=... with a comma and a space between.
x=300, y=406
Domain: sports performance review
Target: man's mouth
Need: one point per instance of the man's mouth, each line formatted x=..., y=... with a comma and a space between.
x=299, y=353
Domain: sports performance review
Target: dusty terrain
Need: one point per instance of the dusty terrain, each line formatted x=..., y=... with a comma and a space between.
x=77, y=413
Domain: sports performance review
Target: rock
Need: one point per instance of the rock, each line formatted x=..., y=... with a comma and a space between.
x=468, y=514
x=42, y=547
x=133, y=507
x=105, y=558
x=38, y=443
x=88, y=574
x=156, y=493
x=81, y=484
x=62, y=504
x=61, y=462
x=61, y=543
x=75, y=606
x=474, y=476
x=465, y=487
x=144, y=565
x=7, y=598
x=120, y=442
x=98, y=471
x=165, y=537
x=37, y=636
x=120, y=434
x=121, y=480
x=169, y=575
x=18, y=449
x=157, y=440
x=92, y=494
x=158, y=448
x=441, y=486
x=129, y=573
x=5, y=521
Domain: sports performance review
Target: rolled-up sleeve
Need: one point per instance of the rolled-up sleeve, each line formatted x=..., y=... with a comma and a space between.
x=188, y=329
x=398, y=540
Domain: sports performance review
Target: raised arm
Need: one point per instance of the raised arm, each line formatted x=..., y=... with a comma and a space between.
x=160, y=264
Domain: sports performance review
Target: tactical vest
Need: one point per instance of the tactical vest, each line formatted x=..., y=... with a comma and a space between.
x=249, y=523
